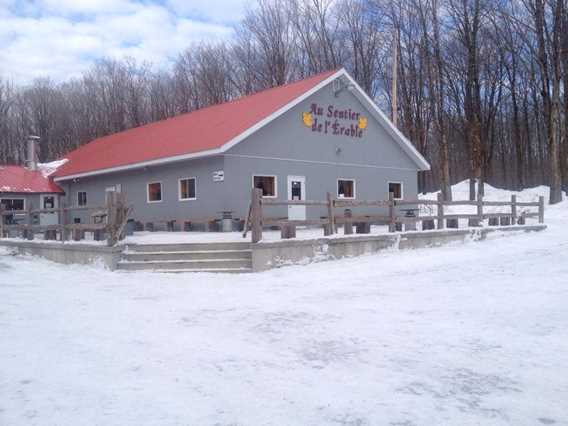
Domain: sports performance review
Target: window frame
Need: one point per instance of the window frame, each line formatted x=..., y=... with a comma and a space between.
x=15, y=198
x=275, y=184
x=79, y=201
x=44, y=197
x=179, y=189
x=354, y=188
x=115, y=188
x=401, y=189
x=148, y=192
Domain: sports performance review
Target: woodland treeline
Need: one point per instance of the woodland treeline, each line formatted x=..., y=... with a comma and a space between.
x=481, y=83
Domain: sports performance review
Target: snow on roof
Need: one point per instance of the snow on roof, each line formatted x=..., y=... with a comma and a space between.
x=47, y=169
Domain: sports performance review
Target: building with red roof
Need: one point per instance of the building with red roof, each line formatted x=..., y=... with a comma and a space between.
x=22, y=188
x=294, y=141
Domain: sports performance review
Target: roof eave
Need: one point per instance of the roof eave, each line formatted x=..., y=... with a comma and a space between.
x=133, y=166
x=31, y=192
x=404, y=143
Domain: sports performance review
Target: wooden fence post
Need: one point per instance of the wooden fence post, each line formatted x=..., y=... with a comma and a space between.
x=392, y=224
x=1, y=221
x=541, y=209
x=513, y=209
x=440, y=211
x=29, y=233
x=330, y=214
x=256, y=215
x=287, y=231
x=247, y=220
x=109, y=217
x=63, y=219
x=348, y=226
x=124, y=213
x=480, y=210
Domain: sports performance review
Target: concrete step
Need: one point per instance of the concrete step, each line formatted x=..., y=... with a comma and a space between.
x=206, y=270
x=188, y=247
x=200, y=264
x=136, y=256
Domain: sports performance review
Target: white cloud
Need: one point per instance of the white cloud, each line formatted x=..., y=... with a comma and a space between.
x=62, y=38
x=217, y=11
x=70, y=7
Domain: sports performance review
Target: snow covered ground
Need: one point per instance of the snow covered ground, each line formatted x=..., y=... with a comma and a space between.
x=213, y=237
x=462, y=335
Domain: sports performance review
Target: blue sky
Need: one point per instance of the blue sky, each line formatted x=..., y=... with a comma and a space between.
x=62, y=38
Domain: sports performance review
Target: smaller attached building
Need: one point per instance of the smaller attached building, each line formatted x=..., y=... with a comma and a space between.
x=22, y=188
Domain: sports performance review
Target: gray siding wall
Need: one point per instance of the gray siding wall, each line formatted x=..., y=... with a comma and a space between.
x=371, y=183
x=30, y=200
x=34, y=199
x=210, y=195
x=289, y=138
x=282, y=148
x=287, y=147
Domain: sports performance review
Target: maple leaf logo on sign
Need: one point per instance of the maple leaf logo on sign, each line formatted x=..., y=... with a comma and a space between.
x=308, y=119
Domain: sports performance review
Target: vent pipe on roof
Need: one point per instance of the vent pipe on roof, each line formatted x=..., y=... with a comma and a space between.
x=32, y=152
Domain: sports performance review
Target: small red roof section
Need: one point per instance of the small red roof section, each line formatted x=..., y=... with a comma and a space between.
x=18, y=179
x=201, y=130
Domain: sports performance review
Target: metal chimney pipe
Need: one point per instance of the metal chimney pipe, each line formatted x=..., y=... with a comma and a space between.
x=32, y=152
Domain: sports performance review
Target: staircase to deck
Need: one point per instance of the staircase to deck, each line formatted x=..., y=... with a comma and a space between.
x=234, y=257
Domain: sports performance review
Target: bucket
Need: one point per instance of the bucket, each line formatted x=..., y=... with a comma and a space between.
x=226, y=221
x=227, y=225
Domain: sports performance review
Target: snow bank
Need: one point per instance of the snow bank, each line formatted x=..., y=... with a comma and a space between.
x=460, y=191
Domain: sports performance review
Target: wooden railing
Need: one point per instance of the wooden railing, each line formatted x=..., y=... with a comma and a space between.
x=256, y=219
x=106, y=222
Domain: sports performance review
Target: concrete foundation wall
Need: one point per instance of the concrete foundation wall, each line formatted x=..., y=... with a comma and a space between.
x=68, y=254
x=293, y=252
x=276, y=254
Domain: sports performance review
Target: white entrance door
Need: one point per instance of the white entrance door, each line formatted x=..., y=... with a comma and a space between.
x=296, y=192
x=49, y=202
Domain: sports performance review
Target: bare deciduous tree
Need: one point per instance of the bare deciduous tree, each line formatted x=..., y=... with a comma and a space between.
x=482, y=84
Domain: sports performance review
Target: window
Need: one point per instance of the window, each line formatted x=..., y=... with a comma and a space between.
x=81, y=198
x=13, y=203
x=267, y=184
x=345, y=188
x=48, y=202
x=187, y=189
x=396, y=189
x=155, y=192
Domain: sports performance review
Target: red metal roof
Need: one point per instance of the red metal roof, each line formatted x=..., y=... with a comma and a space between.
x=201, y=130
x=21, y=180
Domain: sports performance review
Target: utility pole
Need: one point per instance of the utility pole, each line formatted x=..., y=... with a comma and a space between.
x=394, y=99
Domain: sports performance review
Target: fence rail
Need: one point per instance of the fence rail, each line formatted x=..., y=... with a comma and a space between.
x=108, y=221
x=256, y=220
